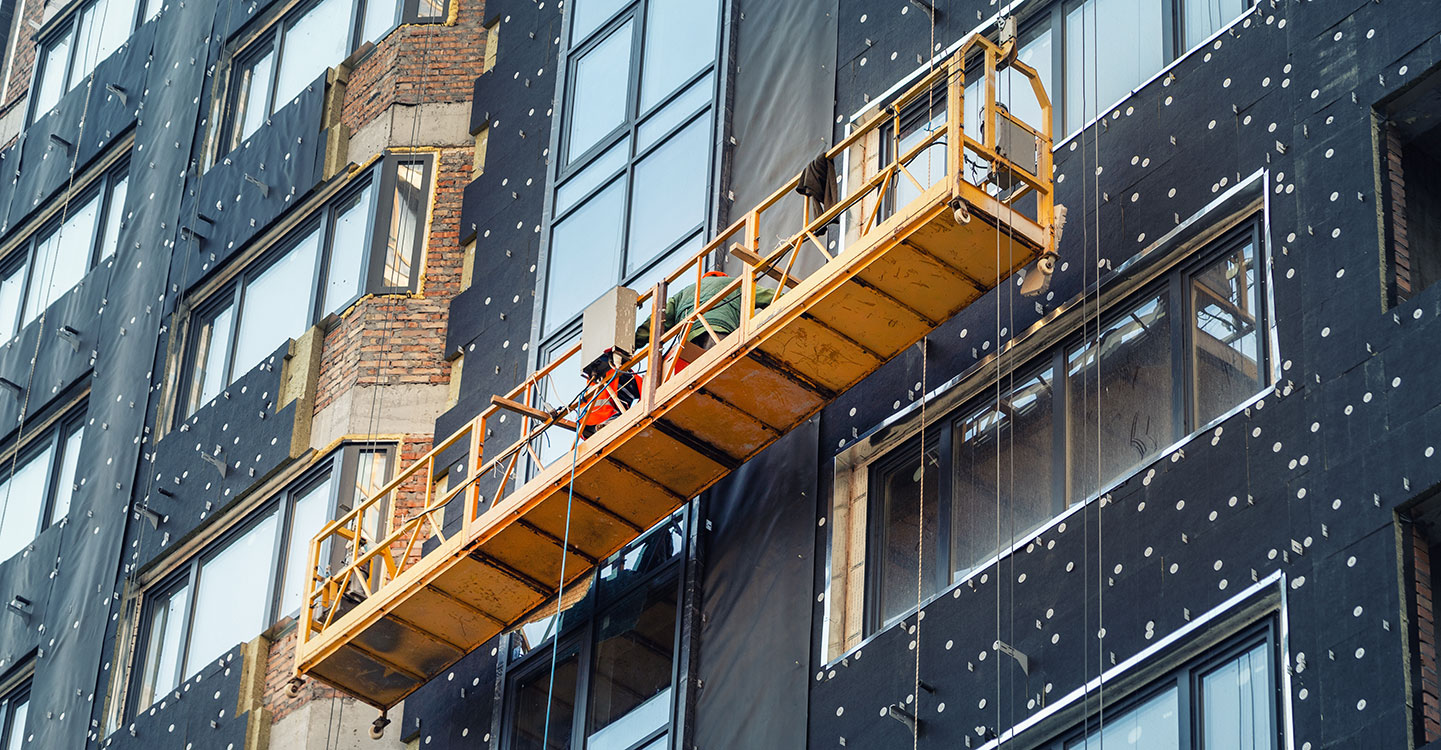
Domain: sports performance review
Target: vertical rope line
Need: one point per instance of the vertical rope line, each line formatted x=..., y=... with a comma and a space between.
x=560, y=589
x=925, y=361
x=1085, y=394
x=1095, y=177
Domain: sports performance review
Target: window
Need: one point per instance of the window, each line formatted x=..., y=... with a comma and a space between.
x=75, y=45
x=14, y=709
x=369, y=239
x=1227, y=698
x=1093, y=52
x=275, y=68
x=615, y=660
x=37, y=482
x=50, y=262
x=250, y=577
x=1174, y=357
x=1410, y=165
x=637, y=136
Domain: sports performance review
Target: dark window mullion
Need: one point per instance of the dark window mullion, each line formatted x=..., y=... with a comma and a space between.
x=1173, y=31
x=56, y=439
x=1178, y=295
x=380, y=229
x=1060, y=458
x=236, y=298
x=318, y=272
x=945, y=500
x=275, y=52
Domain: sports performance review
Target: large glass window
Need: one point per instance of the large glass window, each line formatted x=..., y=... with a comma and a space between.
x=1058, y=429
x=615, y=665
x=249, y=577
x=358, y=243
x=306, y=42
x=37, y=482
x=51, y=261
x=14, y=710
x=1091, y=53
x=73, y=48
x=1226, y=698
x=638, y=136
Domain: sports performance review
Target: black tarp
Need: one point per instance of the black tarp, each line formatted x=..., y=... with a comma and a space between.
x=756, y=600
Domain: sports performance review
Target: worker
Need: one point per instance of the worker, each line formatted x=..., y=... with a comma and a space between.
x=609, y=390
x=620, y=388
x=723, y=317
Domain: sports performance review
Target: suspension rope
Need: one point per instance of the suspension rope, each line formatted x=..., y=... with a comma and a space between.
x=569, y=502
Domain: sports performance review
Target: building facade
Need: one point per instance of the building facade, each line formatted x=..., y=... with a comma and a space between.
x=1183, y=498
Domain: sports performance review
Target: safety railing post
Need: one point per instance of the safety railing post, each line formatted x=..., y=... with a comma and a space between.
x=471, y=500
x=989, y=125
x=748, y=284
x=656, y=365
x=955, y=118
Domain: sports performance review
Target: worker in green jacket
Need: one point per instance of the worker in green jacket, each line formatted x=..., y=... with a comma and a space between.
x=723, y=317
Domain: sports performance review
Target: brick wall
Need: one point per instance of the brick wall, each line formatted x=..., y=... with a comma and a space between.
x=400, y=339
x=1427, y=681
x=1395, y=196
x=419, y=64
x=24, y=61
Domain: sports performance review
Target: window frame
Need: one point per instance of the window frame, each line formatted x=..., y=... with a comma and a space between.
x=271, y=41
x=1175, y=284
x=548, y=331
x=579, y=638
x=1173, y=48
x=23, y=253
x=20, y=692
x=340, y=465
x=379, y=231
x=1186, y=677
x=53, y=437
x=67, y=22
x=320, y=221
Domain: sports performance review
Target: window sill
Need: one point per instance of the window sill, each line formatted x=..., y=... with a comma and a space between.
x=984, y=566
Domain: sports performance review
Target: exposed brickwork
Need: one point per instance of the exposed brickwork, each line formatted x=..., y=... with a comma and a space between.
x=419, y=64
x=278, y=671
x=394, y=339
x=1396, y=209
x=1428, y=681
x=24, y=62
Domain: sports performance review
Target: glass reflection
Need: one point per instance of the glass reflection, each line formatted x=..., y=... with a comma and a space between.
x=316, y=40
x=22, y=495
x=347, y=251
x=1226, y=355
x=545, y=707
x=669, y=193
x=630, y=686
x=680, y=39
x=164, y=645
x=276, y=305
x=910, y=517
x=1236, y=704
x=230, y=599
x=1205, y=17
x=1120, y=409
x=1003, y=459
x=1153, y=725
x=407, y=219
x=599, y=87
x=1112, y=46
x=584, y=255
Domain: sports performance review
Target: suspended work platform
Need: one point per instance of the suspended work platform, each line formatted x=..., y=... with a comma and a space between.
x=929, y=220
